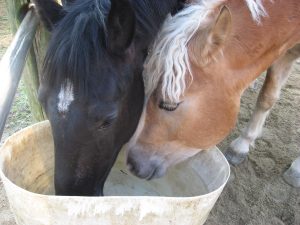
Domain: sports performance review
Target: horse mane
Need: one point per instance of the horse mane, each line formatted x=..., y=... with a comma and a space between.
x=257, y=9
x=169, y=61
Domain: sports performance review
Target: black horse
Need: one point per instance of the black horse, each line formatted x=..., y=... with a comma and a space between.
x=92, y=87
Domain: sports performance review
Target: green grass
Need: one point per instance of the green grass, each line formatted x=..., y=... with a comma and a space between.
x=20, y=115
x=5, y=36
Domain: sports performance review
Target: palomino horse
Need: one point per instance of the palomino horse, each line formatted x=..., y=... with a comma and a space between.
x=203, y=60
x=92, y=86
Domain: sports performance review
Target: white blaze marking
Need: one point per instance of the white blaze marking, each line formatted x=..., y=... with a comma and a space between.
x=65, y=97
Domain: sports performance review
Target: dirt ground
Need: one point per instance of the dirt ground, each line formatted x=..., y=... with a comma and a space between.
x=256, y=193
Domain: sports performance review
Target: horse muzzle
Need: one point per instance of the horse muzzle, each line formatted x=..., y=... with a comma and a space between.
x=145, y=166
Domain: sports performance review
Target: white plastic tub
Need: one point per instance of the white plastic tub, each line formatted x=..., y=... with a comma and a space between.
x=184, y=196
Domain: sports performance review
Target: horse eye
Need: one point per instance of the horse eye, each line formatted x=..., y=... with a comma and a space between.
x=168, y=106
x=103, y=125
x=106, y=124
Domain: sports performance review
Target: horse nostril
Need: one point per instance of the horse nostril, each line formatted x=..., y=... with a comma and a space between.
x=131, y=165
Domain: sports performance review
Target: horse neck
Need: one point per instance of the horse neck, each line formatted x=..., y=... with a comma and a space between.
x=150, y=16
x=252, y=48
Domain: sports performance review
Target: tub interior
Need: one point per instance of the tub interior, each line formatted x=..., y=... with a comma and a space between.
x=27, y=160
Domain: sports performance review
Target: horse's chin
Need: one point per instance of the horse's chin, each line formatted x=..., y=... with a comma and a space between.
x=100, y=192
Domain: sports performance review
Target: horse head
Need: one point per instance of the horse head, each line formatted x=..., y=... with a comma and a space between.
x=91, y=86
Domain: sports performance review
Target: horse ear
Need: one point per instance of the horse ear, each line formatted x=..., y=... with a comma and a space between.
x=49, y=11
x=120, y=26
x=207, y=44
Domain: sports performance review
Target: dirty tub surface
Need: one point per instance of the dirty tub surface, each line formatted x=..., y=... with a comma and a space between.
x=184, y=196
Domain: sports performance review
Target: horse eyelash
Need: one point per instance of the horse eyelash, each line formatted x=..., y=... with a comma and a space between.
x=168, y=106
x=106, y=124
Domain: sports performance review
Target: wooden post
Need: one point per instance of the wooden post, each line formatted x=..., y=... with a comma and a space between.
x=35, y=58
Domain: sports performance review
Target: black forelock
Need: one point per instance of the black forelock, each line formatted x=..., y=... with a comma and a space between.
x=77, y=43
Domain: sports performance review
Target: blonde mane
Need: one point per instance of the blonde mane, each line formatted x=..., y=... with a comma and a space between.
x=168, y=62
